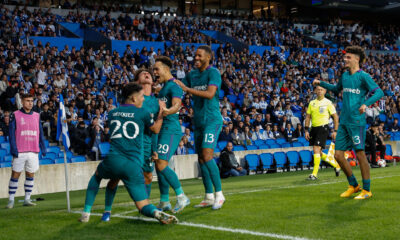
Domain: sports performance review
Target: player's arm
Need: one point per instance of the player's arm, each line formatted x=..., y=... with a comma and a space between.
x=334, y=88
x=214, y=82
x=307, y=126
x=376, y=91
x=155, y=126
x=176, y=105
x=13, y=141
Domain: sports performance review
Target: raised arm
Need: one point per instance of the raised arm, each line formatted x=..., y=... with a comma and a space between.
x=334, y=88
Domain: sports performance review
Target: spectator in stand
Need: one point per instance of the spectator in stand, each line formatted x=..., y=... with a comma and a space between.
x=189, y=138
x=97, y=136
x=181, y=150
x=299, y=131
x=230, y=165
x=288, y=133
x=373, y=143
x=5, y=124
x=276, y=133
x=248, y=135
x=225, y=135
x=81, y=134
x=46, y=117
x=257, y=135
x=237, y=137
x=394, y=126
x=268, y=133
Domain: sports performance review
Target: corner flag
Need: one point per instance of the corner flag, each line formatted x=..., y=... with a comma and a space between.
x=62, y=127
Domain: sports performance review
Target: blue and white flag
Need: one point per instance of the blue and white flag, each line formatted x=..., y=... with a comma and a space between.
x=62, y=126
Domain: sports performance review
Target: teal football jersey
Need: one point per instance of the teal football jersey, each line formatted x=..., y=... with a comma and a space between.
x=170, y=91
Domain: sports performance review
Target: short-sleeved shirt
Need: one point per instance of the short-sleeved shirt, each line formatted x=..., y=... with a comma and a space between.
x=170, y=91
x=355, y=90
x=206, y=111
x=320, y=111
x=151, y=105
x=127, y=124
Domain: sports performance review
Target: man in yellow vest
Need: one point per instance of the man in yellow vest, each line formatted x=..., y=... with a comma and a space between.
x=319, y=112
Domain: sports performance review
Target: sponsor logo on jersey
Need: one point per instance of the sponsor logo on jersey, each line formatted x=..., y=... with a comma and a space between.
x=351, y=90
x=28, y=133
x=164, y=99
x=201, y=88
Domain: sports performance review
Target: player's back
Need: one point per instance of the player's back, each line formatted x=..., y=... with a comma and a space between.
x=151, y=105
x=127, y=124
x=205, y=110
x=170, y=91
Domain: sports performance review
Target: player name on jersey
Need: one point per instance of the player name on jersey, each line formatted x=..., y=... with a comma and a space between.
x=123, y=114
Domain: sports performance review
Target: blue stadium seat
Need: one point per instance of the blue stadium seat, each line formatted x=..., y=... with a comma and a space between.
x=302, y=140
x=222, y=144
x=6, y=146
x=270, y=141
x=293, y=158
x=2, y=139
x=46, y=161
x=221, y=94
x=259, y=142
x=5, y=164
x=297, y=144
x=253, y=160
x=251, y=147
x=46, y=143
x=53, y=149
x=104, y=148
x=280, y=140
x=328, y=142
x=306, y=157
x=275, y=145
x=87, y=140
x=382, y=117
x=286, y=145
x=78, y=159
x=3, y=153
x=8, y=158
x=280, y=159
x=59, y=160
x=50, y=155
x=191, y=151
x=267, y=160
x=389, y=150
x=232, y=98
x=238, y=148
x=217, y=150
x=69, y=155
x=264, y=146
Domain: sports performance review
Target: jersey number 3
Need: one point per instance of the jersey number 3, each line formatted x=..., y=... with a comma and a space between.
x=117, y=133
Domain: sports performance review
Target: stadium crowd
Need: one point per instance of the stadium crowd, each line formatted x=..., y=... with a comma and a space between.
x=263, y=96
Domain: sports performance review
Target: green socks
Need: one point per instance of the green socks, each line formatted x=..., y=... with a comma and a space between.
x=163, y=186
x=91, y=192
x=148, y=189
x=205, y=174
x=214, y=174
x=367, y=184
x=148, y=210
x=110, y=195
x=352, y=180
x=172, y=180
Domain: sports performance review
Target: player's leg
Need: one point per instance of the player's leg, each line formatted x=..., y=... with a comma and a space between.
x=358, y=134
x=148, y=168
x=211, y=133
x=167, y=146
x=111, y=190
x=18, y=165
x=134, y=182
x=92, y=189
x=148, y=179
x=343, y=143
x=32, y=165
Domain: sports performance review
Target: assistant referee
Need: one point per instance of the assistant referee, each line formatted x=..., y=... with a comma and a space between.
x=319, y=112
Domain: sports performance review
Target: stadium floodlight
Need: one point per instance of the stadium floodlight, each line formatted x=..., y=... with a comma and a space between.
x=142, y=12
x=174, y=14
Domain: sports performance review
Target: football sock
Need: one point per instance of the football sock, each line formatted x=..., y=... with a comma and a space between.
x=28, y=187
x=148, y=210
x=205, y=174
x=172, y=180
x=91, y=192
x=214, y=174
x=331, y=161
x=163, y=186
x=12, y=188
x=110, y=195
x=367, y=184
x=148, y=189
x=352, y=180
x=317, y=161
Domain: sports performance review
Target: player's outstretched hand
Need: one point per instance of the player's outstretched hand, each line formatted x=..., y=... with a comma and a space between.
x=316, y=82
x=362, y=109
x=154, y=156
x=180, y=84
x=307, y=136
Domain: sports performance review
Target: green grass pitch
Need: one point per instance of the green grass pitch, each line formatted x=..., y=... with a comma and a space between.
x=268, y=206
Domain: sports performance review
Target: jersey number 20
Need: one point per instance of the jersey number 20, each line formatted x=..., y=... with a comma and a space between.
x=117, y=134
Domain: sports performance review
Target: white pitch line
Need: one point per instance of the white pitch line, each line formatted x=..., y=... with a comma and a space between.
x=210, y=227
x=253, y=191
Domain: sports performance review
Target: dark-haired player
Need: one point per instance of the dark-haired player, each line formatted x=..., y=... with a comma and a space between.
x=170, y=135
x=356, y=84
x=204, y=83
x=125, y=159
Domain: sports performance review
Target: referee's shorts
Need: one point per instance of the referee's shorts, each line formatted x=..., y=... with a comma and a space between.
x=318, y=136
